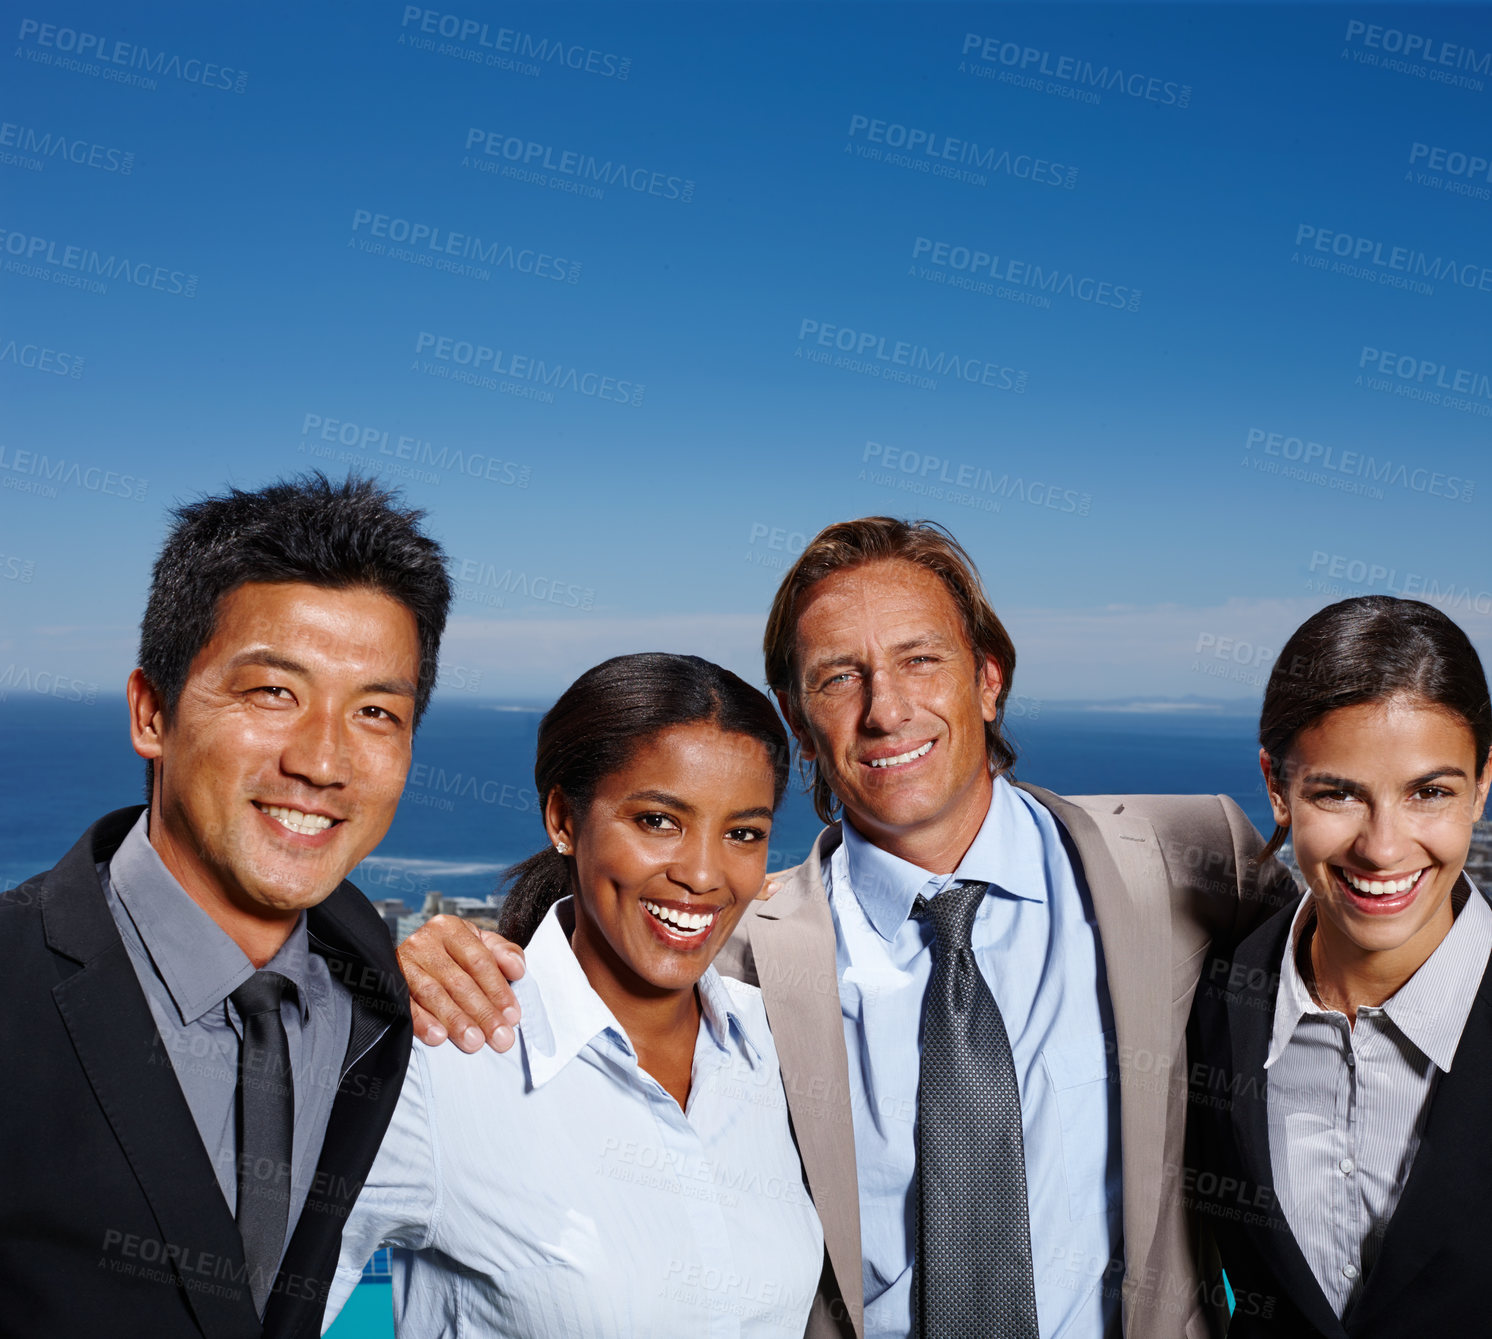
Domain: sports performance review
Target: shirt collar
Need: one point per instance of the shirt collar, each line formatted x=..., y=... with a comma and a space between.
x=1430, y=1009
x=1007, y=853
x=197, y=962
x=563, y=1014
x=1292, y=1001
x=729, y=1027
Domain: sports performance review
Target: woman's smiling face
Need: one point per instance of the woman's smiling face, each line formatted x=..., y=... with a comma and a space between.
x=668, y=857
x=1380, y=799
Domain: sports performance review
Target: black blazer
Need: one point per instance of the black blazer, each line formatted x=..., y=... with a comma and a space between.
x=111, y=1218
x=1431, y=1276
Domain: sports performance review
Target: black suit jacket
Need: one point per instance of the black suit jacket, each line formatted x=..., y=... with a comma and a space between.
x=111, y=1218
x=1431, y=1276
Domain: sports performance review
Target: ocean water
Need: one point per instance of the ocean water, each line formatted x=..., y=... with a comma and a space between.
x=469, y=807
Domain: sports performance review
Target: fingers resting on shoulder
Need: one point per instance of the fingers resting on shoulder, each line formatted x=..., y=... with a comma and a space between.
x=458, y=980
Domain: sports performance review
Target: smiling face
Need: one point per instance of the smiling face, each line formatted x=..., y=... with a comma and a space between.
x=892, y=708
x=668, y=857
x=1380, y=799
x=282, y=762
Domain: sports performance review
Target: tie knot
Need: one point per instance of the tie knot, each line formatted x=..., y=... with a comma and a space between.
x=260, y=994
x=952, y=914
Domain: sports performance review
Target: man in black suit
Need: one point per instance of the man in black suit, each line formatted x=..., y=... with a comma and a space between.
x=204, y=1029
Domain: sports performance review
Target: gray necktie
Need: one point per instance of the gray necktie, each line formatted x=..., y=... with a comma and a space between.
x=266, y=1116
x=971, y=1274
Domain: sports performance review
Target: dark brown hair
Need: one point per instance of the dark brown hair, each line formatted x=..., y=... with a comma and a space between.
x=594, y=729
x=1370, y=649
x=871, y=539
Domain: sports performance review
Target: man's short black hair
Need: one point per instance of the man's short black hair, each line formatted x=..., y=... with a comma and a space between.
x=308, y=529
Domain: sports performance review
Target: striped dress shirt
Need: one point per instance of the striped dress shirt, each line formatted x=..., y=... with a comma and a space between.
x=1347, y=1104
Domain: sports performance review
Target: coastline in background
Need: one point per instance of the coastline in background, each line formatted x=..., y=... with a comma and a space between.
x=469, y=807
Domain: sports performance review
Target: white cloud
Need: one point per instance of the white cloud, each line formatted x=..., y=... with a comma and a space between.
x=1111, y=652
x=539, y=657
x=1169, y=650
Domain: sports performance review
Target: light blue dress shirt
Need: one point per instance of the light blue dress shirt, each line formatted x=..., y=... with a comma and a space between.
x=558, y=1190
x=1037, y=944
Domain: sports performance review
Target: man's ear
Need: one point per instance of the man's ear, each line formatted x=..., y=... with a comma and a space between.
x=991, y=681
x=147, y=716
x=559, y=819
x=795, y=724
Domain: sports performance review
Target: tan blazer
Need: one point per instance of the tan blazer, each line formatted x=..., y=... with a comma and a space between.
x=1168, y=875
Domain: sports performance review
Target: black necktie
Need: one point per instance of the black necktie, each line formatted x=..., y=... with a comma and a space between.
x=971, y=1274
x=266, y=1124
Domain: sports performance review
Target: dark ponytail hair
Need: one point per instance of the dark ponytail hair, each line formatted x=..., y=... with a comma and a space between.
x=1368, y=650
x=593, y=730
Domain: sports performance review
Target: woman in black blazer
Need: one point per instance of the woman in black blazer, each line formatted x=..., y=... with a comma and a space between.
x=1341, y=1055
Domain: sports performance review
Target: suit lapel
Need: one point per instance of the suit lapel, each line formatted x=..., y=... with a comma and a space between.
x=792, y=941
x=1250, y=994
x=1126, y=876
x=1447, y=1183
x=120, y=1050
x=372, y=1075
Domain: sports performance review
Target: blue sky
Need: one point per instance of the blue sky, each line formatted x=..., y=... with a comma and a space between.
x=1158, y=484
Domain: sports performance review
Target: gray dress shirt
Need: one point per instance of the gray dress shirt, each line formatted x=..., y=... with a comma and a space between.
x=1347, y=1104
x=187, y=968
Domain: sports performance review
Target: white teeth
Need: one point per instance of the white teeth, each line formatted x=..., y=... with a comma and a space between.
x=901, y=757
x=689, y=922
x=308, y=825
x=1380, y=887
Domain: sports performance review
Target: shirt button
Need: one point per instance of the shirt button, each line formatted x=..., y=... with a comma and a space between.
x=1349, y=1271
x=1347, y=1166
x=1351, y=1060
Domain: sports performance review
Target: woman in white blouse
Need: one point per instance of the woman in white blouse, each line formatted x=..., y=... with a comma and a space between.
x=1341, y=1056
x=627, y=1168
